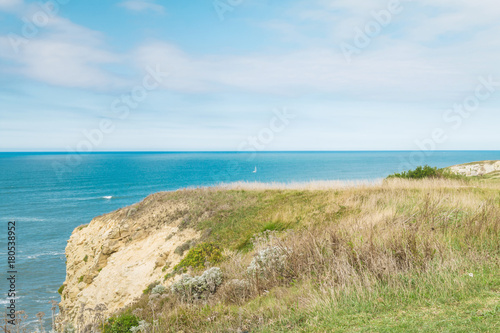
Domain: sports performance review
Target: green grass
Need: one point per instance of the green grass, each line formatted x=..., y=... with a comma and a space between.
x=271, y=210
x=424, y=307
x=472, y=315
x=234, y=217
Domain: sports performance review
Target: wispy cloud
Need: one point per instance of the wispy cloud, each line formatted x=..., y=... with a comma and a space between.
x=394, y=72
x=401, y=66
x=142, y=6
x=65, y=54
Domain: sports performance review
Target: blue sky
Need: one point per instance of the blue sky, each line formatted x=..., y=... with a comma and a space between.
x=355, y=75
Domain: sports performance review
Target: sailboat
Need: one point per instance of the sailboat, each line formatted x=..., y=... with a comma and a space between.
x=255, y=170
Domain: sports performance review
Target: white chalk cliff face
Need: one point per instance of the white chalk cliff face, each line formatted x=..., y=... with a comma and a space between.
x=113, y=259
x=476, y=168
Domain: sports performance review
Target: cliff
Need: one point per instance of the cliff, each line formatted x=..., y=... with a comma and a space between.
x=483, y=168
x=115, y=257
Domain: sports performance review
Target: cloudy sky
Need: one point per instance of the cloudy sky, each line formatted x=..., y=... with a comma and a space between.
x=207, y=75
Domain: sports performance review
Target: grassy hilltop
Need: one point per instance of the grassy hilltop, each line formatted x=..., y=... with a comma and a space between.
x=404, y=255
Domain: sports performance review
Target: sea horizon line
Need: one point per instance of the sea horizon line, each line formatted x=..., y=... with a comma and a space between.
x=238, y=152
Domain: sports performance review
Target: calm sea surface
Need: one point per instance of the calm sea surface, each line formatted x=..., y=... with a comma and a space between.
x=48, y=195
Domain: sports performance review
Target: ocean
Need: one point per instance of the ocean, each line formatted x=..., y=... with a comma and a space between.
x=49, y=194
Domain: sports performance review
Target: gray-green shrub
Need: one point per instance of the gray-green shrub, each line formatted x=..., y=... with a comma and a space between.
x=158, y=289
x=268, y=260
x=190, y=288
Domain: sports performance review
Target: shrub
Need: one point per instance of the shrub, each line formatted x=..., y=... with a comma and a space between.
x=419, y=173
x=199, y=255
x=427, y=172
x=142, y=328
x=271, y=259
x=189, y=288
x=150, y=287
x=121, y=324
x=159, y=289
x=86, y=258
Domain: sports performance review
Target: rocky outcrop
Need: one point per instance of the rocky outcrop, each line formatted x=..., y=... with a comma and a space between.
x=114, y=258
x=476, y=168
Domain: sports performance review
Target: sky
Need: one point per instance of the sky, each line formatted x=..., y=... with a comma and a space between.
x=238, y=75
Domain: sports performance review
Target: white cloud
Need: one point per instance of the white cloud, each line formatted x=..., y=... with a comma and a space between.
x=142, y=5
x=402, y=71
x=402, y=67
x=433, y=49
x=424, y=19
x=62, y=54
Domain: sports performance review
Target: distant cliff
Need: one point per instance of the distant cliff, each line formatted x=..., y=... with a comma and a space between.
x=483, y=168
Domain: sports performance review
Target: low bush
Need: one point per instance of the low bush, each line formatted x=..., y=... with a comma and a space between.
x=191, y=288
x=419, y=173
x=199, y=255
x=426, y=171
x=121, y=324
x=158, y=289
x=267, y=261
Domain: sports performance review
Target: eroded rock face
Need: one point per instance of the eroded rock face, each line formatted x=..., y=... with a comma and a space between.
x=113, y=259
x=476, y=168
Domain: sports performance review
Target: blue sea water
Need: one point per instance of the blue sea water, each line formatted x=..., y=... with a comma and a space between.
x=49, y=194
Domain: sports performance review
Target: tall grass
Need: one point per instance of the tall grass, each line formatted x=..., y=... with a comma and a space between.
x=391, y=246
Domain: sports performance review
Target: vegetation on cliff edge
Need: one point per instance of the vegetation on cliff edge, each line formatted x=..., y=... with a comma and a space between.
x=406, y=255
